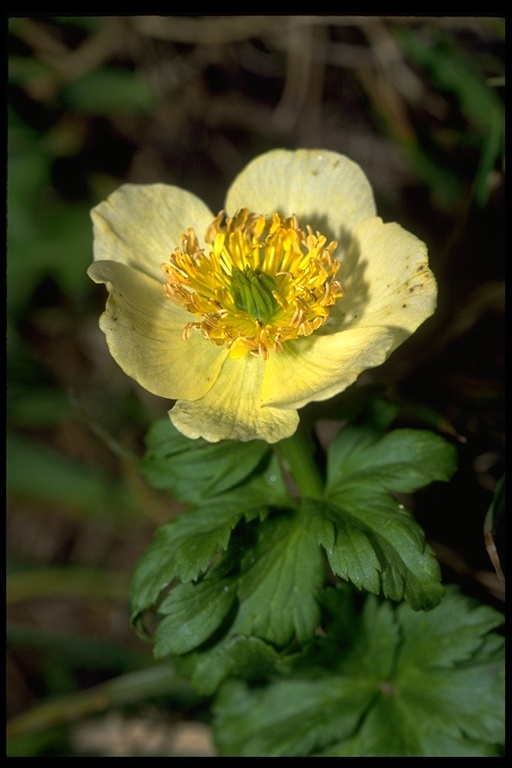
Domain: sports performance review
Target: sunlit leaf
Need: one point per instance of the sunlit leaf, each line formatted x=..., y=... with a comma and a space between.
x=370, y=539
x=403, y=460
x=280, y=577
x=273, y=577
x=375, y=543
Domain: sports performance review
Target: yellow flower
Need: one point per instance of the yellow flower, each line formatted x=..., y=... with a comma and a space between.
x=281, y=299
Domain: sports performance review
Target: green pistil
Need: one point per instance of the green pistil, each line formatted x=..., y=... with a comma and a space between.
x=252, y=292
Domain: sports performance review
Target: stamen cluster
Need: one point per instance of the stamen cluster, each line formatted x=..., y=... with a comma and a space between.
x=262, y=281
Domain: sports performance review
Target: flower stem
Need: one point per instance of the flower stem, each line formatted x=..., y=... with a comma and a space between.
x=297, y=453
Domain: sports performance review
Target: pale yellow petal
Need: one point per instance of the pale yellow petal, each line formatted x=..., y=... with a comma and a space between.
x=144, y=335
x=233, y=408
x=387, y=281
x=319, y=367
x=141, y=224
x=322, y=188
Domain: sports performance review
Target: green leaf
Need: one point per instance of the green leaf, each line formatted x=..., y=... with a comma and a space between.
x=391, y=730
x=47, y=235
x=376, y=642
x=193, y=612
x=371, y=539
x=274, y=571
x=375, y=543
x=235, y=656
x=440, y=697
x=274, y=579
x=449, y=640
x=289, y=719
x=184, y=548
x=280, y=577
x=65, y=246
x=196, y=469
x=181, y=549
x=402, y=460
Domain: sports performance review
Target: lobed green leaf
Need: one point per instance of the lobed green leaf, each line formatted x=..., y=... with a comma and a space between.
x=267, y=587
x=234, y=656
x=453, y=638
x=289, y=719
x=185, y=547
x=370, y=539
x=403, y=460
x=389, y=695
x=195, y=470
x=374, y=542
x=193, y=612
x=182, y=549
x=279, y=579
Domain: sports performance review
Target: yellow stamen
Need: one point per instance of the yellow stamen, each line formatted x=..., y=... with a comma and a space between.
x=263, y=281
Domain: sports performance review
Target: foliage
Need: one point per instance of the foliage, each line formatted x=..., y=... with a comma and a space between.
x=275, y=570
x=239, y=597
x=391, y=683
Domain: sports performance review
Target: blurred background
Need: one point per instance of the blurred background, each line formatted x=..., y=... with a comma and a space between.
x=98, y=101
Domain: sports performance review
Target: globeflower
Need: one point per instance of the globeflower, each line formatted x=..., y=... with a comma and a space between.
x=283, y=298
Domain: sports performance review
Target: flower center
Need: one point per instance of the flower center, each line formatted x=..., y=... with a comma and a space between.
x=262, y=282
x=253, y=292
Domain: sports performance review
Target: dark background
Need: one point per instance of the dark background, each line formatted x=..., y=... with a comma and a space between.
x=97, y=101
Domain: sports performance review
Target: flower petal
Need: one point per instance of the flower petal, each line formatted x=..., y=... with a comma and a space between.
x=233, y=409
x=322, y=188
x=144, y=335
x=141, y=224
x=319, y=367
x=387, y=280
x=389, y=292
